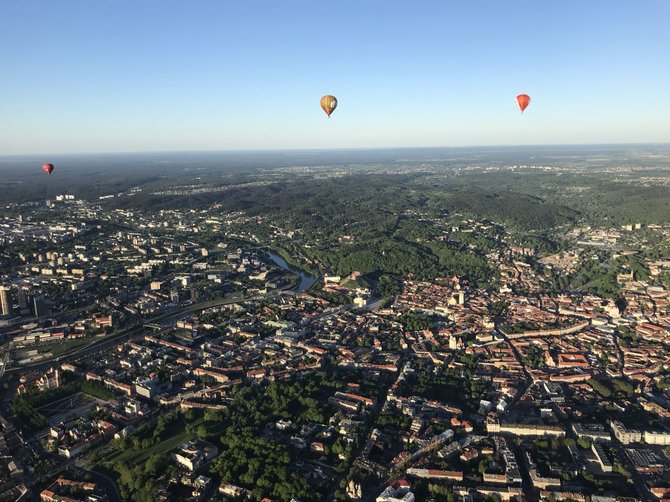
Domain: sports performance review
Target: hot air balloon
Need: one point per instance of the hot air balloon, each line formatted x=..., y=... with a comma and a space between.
x=523, y=100
x=328, y=103
x=48, y=168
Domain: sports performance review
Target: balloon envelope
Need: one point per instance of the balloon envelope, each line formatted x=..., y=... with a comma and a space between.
x=48, y=168
x=523, y=100
x=328, y=103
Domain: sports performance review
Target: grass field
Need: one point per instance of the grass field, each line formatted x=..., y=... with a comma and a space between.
x=176, y=435
x=60, y=349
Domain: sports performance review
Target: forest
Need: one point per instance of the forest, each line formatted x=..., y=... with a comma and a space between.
x=382, y=216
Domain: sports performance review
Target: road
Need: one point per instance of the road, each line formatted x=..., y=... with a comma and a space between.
x=107, y=482
x=101, y=344
x=620, y=354
x=370, y=421
x=638, y=478
x=519, y=359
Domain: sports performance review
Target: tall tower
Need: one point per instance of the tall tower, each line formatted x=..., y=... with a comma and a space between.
x=5, y=305
x=39, y=306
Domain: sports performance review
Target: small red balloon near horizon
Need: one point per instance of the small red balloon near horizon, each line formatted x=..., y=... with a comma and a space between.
x=48, y=168
x=523, y=100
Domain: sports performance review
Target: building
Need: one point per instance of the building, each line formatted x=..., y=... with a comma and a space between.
x=512, y=471
x=48, y=381
x=595, y=432
x=40, y=306
x=435, y=474
x=625, y=435
x=524, y=429
x=646, y=461
x=5, y=302
x=539, y=481
x=145, y=387
x=398, y=491
x=482, y=491
x=234, y=491
x=23, y=302
x=354, y=491
x=660, y=438
x=601, y=457
x=194, y=454
x=66, y=490
x=72, y=450
x=494, y=478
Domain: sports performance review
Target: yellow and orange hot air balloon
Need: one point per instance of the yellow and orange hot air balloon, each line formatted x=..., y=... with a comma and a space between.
x=523, y=100
x=328, y=103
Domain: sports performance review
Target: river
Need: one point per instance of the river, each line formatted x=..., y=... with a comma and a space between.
x=306, y=280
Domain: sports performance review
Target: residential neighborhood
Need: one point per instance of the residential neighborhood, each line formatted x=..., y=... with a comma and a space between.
x=112, y=338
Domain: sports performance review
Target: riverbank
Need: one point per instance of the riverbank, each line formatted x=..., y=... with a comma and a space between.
x=306, y=280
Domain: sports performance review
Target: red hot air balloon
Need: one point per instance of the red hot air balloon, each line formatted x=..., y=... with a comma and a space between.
x=523, y=100
x=48, y=168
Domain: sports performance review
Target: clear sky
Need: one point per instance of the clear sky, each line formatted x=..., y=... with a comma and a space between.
x=151, y=75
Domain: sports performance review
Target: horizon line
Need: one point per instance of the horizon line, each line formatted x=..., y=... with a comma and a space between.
x=336, y=149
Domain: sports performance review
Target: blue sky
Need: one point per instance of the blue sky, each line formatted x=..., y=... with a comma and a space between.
x=151, y=75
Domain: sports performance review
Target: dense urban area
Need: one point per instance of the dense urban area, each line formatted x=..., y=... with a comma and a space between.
x=477, y=329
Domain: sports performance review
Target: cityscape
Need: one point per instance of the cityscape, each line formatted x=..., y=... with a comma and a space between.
x=213, y=354
x=353, y=251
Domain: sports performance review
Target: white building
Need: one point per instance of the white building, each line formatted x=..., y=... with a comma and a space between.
x=195, y=454
x=660, y=438
x=397, y=492
x=5, y=305
x=625, y=435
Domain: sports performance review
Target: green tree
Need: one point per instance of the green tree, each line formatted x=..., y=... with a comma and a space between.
x=389, y=285
x=584, y=443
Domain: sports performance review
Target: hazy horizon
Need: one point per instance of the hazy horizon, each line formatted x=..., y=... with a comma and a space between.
x=103, y=173
x=316, y=150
